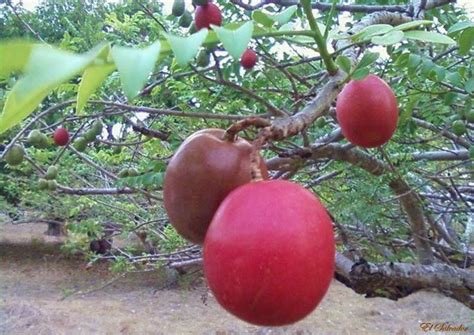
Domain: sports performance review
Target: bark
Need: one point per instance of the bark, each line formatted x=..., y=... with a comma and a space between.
x=398, y=280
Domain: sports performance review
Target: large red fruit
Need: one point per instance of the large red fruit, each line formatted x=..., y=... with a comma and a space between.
x=269, y=253
x=367, y=112
x=201, y=173
x=207, y=15
x=61, y=136
x=248, y=59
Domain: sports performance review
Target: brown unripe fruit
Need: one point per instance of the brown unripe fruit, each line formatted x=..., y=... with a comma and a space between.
x=202, y=172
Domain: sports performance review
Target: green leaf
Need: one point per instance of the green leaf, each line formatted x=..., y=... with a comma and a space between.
x=185, y=48
x=469, y=86
x=389, y=38
x=412, y=24
x=135, y=66
x=344, y=63
x=93, y=77
x=428, y=36
x=407, y=112
x=370, y=31
x=460, y=26
x=46, y=68
x=284, y=16
x=427, y=67
x=235, y=41
x=413, y=61
x=262, y=18
x=454, y=78
x=14, y=56
x=367, y=59
x=440, y=72
x=466, y=41
x=360, y=73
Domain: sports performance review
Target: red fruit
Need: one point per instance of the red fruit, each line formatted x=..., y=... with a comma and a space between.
x=207, y=15
x=200, y=175
x=367, y=112
x=61, y=137
x=248, y=59
x=269, y=253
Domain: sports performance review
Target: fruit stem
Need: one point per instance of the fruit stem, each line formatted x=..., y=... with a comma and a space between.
x=318, y=37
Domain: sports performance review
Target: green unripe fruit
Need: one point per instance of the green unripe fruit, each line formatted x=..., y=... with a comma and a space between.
x=469, y=116
x=320, y=122
x=186, y=19
x=192, y=28
x=42, y=184
x=15, y=155
x=52, y=185
x=80, y=144
x=200, y=2
x=117, y=149
x=203, y=58
x=178, y=7
x=90, y=135
x=38, y=139
x=123, y=173
x=97, y=127
x=51, y=173
x=459, y=128
x=132, y=172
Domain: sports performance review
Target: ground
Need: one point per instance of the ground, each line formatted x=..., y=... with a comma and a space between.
x=37, y=279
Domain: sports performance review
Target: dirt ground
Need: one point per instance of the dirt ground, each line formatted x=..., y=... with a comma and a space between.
x=35, y=278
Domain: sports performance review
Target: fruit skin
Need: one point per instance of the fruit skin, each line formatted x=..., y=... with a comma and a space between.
x=459, y=128
x=97, y=127
x=367, y=112
x=132, y=172
x=470, y=116
x=207, y=15
x=42, y=184
x=15, y=155
x=178, y=7
x=185, y=20
x=248, y=59
x=80, y=144
x=204, y=169
x=52, y=185
x=61, y=136
x=90, y=135
x=38, y=139
x=269, y=253
x=123, y=173
x=51, y=173
x=192, y=28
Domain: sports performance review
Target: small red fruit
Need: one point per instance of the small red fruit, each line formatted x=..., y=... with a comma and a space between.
x=204, y=169
x=248, y=59
x=269, y=253
x=367, y=112
x=61, y=137
x=207, y=15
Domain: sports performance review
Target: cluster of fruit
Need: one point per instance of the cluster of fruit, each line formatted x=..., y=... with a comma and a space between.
x=268, y=244
x=80, y=144
x=459, y=125
x=207, y=14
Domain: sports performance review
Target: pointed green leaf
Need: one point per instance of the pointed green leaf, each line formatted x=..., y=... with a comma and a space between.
x=460, y=26
x=262, y=18
x=235, y=41
x=428, y=36
x=135, y=66
x=93, y=77
x=14, y=56
x=185, y=48
x=46, y=68
x=389, y=38
x=466, y=41
x=469, y=86
x=370, y=31
x=344, y=63
x=413, y=24
x=360, y=73
x=407, y=112
x=284, y=16
x=367, y=59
